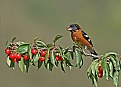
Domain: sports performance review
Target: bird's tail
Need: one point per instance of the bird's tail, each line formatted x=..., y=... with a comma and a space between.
x=93, y=52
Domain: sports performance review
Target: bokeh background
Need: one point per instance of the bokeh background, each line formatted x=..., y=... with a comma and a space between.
x=27, y=19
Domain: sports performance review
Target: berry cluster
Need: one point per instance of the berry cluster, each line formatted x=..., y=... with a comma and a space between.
x=26, y=54
x=15, y=57
x=43, y=54
x=39, y=53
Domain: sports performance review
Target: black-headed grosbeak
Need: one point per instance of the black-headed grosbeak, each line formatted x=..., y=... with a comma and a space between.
x=81, y=38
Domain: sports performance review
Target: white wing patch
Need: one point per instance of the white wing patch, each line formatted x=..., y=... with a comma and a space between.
x=89, y=40
x=87, y=37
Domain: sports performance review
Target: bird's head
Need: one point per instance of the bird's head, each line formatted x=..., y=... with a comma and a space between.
x=73, y=27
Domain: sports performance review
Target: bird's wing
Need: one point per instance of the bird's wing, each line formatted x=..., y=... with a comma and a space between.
x=87, y=37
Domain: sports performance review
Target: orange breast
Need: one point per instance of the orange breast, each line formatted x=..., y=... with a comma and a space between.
x=77, y=37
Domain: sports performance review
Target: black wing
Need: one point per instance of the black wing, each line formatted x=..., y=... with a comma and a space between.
x=87, y=37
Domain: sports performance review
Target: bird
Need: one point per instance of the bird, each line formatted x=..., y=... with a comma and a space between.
x=81, y=39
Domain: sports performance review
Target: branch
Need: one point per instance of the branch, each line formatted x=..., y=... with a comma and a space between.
x=51, y=55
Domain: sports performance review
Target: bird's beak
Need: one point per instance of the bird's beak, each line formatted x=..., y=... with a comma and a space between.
x=69, y=29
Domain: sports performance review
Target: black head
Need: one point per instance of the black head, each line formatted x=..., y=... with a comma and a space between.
x=73, y=27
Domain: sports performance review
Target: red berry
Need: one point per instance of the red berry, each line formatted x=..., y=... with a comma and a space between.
x=7, y=51
x=14, y=60
x=43, y=53
x=26, y=57
x=100, y=69
x=12, y=56
x=41, y=59
x=58, y=58
x=18, y=56
x=34, y=51
x=100, y=75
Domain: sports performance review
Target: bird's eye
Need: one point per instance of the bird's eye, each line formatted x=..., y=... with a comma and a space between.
x=76, y=25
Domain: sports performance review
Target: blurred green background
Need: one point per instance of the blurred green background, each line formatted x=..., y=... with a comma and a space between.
x=27, y=19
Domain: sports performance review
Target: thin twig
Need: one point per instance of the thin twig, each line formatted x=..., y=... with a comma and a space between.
x=92, y=55
x=86, y=54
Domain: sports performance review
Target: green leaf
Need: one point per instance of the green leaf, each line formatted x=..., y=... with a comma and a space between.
x=68, y=63
x=57, y=62
x=36, y=57
x=68, y=59
x=50, y=67
x=41, y=43
x=24, y=48
x=107, y=71
x=60, y=50
x=79, y=60
x=49, y=45
x=96, y=68
x=27, y=64
x=116, y=78
x=92, y=72
x=57, y=38
x=52, y=57
x=21, y=65
x=14, y=38
x=29, y=53
x=7, y=44
x=72, y=55
x=105, y=67
x=39, y=64
x=45, y=64
x=36, y=38
x=66, y=50
x=93, y=67
x=114, y=62
x=92, y=78
x=110, y=53
x=62, y=66
x=20, y=43
x=103, y=63
x=117, y=62
x=12, y=65
x=24, y=65
x=111, y=68
x=32, y=60
x=8, y=61
x=95, y=82
x=89, y=71
x=47, y=55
